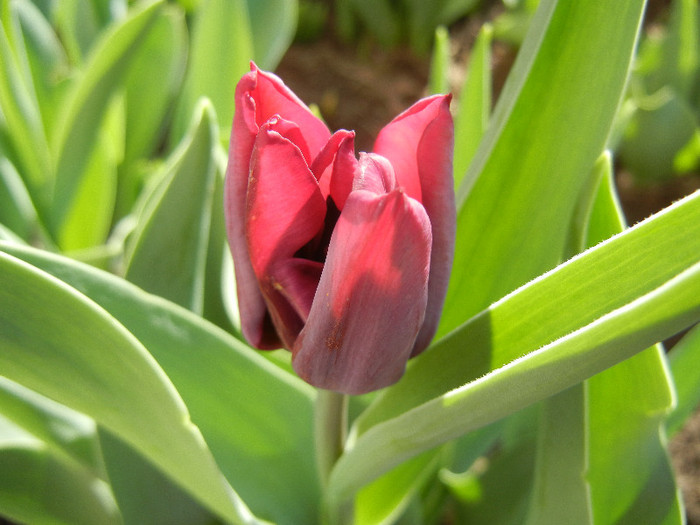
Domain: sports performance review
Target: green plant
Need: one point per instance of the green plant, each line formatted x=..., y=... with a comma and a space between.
x=544, y=397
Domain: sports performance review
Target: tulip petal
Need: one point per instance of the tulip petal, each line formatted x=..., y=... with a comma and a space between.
x=371, y=299
x=255, y=322
x=337, y=154
x=285, y=210
x=273, y=97
x=419, y=144
x=375, y=174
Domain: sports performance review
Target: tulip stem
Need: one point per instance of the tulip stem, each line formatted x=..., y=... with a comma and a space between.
x=330, y=431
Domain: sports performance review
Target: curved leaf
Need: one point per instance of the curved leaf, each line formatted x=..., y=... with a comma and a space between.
x=59, y=343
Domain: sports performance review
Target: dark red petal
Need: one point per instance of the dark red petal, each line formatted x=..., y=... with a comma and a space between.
x=289, y=290
x=370, y=302
x=419, y=144
x=285, y=210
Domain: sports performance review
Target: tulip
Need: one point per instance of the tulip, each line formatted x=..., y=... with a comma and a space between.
x=342, y=260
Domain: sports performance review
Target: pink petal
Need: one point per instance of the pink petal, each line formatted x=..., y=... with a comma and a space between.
x=255, y=322
x=370, y=302
x=285, y=210
x=259, y=96
x=419, y=144
x=375, y=174
x=341, y=144
x=273, y=97
x=345, y=169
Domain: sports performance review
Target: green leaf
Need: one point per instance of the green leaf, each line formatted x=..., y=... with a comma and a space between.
x=439, y=81
x=25, y=131
x=74, y=138
x=144, y=494
x=601, y=442
x=220, y=51
x=677, y=63
x=216, y=285
x=272, y=26
x=380, y=19
x=59, y=343
x=67, y=433
x=474, y=107
x=504, y=475
x=46, y=59
x=385, y=499
x=547, y=130
x=685, y=367
x=17, y=211
x=151, y=87
x=88, y=220
x=44, y=444
x=608, y=307
x=237, y=398
x=661, y=126
x=169, y=250
x=81, y=22
x=560, y=493
x=37, y=487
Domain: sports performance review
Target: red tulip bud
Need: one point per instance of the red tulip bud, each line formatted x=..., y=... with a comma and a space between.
x=344, y=262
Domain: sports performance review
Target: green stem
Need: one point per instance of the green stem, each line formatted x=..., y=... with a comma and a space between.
x=330, y=431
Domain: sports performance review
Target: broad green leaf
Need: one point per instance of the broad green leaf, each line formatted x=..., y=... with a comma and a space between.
x=474, y=107
x=59, y=343
x=170, y=246
x=601, y=441
x=560, y=493
x=220, y=51
x=685, y=366
x=144, y=494
x=46, y=445
x=629, y=473
x=68, y=434
x=550, y=125
x=608, y=308
x=37, y=486
x=540, y=374
x=602, y=279
x=272, y=26
x=239, y=400
x=74, y=139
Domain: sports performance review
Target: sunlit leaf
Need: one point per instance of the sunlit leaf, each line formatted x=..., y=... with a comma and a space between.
x=50, y=339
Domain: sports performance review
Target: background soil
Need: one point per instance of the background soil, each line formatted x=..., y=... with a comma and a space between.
x=364, y=87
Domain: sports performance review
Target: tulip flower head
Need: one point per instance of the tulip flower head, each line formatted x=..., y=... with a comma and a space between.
x=344, y=261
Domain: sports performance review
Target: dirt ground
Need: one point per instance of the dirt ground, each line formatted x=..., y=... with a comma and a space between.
x=364, y=88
